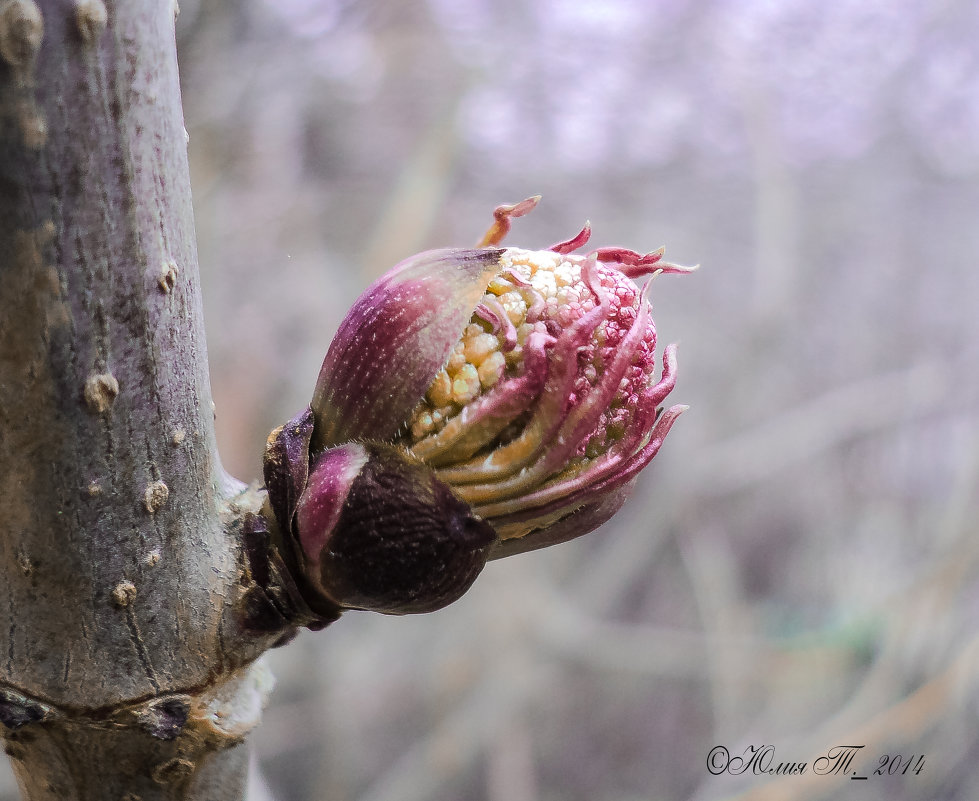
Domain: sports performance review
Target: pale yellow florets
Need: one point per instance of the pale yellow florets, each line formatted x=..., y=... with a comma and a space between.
x=479, y=360
x=543, y=292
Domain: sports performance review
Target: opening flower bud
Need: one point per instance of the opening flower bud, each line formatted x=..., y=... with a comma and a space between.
x=549, y=400
x=474, y=404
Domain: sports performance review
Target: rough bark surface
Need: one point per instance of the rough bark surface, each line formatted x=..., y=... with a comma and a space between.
x=124, y=668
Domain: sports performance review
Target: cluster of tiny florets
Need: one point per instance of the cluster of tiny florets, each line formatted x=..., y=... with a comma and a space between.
x=544, y=292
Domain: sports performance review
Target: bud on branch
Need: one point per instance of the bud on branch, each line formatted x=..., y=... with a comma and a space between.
x=473, y=404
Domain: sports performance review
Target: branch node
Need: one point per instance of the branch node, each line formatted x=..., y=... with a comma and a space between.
x=26, y=564
x=168, y=276
x=18, y=710
x=101, y=390
x=91, y=18
x=124, y=593
x=21, y=29
x=165, y=718
x=155, y=496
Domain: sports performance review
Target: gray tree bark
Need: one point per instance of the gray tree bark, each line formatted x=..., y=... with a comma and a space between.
x=126, y=668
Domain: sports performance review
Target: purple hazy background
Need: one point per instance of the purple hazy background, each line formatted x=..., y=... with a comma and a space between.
x=798, y=566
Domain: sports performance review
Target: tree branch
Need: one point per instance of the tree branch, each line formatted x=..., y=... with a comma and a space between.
x=122, y=656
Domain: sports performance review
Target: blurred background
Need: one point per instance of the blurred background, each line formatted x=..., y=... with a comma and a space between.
x=798, y=567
